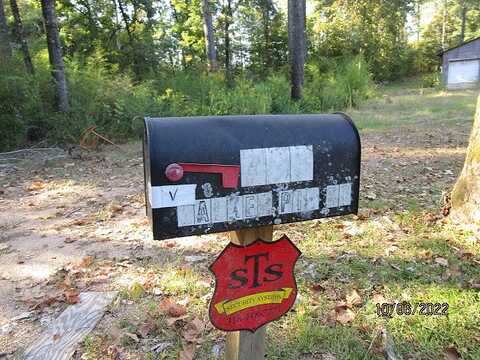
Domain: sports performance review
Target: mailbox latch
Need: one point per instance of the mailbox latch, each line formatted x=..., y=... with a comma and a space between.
x=230, y=173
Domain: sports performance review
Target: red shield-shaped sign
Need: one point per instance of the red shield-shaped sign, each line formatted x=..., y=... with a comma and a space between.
x=254, y=285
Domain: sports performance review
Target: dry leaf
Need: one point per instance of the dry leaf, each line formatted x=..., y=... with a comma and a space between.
x=173, y=321
x=378, y=299
x=44, y=303
x=466, y=256
x=36, y=185
x=353, y=298
x=343, y=314
x=173, y=309
x=132, y=336
x=113, y=353
x=86, y=261
x=79, y=222
x=193, y=329
x=56, y=337
x=441, y=261
x=317, y=287
x=146, y=329
x=451, y=353
x=71, y=296
x=188, y=352
x=116, y=208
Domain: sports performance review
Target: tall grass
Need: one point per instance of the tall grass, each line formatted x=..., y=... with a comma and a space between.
x=102, y=97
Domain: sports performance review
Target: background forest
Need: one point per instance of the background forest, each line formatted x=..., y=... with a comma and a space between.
x=126, y=59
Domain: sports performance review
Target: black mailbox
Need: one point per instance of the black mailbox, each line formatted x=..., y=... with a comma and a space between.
x=223, y=173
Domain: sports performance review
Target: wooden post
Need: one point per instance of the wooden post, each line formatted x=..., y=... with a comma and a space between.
x=244, y=345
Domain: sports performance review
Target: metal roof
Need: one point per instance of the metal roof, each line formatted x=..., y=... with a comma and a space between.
x=460, y=45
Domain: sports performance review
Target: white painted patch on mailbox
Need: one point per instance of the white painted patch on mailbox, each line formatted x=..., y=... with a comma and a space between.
x=229, y=208
x=172, y=195
x=298, y=201
x=339, y=195
x=276, y=165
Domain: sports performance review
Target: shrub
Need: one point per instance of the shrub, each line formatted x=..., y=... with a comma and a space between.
x=346, y=86
x=430, y=80
x=115, y=103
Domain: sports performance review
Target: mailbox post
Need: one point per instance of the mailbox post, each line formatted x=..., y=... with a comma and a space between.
x=244, y=174
x=245, y=345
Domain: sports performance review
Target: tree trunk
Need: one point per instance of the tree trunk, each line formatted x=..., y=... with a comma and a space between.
x=209, y=36
x=55, y=54
x=296, y=45
x=21, y=37
x=466, y=192
x=228, y=48
x=5, y=48
x=419, y=20
x=464, y=22
x=444, y=25
x=267, y=11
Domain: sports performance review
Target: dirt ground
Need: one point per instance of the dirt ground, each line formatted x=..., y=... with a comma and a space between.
x=79, y=222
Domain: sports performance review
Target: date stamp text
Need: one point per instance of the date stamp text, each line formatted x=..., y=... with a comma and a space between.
x=406, y=308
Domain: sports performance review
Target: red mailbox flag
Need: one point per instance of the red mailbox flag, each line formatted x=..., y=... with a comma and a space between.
x=254, y=284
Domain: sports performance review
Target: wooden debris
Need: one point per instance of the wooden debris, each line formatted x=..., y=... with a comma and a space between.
x=59, y=341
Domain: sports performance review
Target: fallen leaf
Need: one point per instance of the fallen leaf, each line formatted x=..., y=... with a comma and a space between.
x=56, y=337
x=36, y=185
x=193, y=329
x=86, y=261
x=466, y=256
x=378, y=299
x=188, y=352
x=353, y=298
x=172, y=321
x=71, y=296
x=116, y=208
x=79, y=222
x=113, y=353
x=45, y=303
x=441, y=261
x=451, y=353
x=173, y=309
x=69, y=240
x=317, y=287
x=430, y=218
x=343, y=314
x=132, y=336
x=145, y=329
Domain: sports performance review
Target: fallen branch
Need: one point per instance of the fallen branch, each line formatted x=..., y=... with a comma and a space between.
x=33, y=150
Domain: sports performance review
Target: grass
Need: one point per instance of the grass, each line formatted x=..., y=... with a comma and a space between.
x=393, y=259
x=387, y=254
x=416, y=105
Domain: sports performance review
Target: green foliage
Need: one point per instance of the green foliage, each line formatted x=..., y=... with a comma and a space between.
x=343, y=87
x=375, y=29
x=430, y=80
x=115, y=103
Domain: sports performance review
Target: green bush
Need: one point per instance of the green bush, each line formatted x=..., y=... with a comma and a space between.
x=345, y=86
x=430, y=80
x=116, y=104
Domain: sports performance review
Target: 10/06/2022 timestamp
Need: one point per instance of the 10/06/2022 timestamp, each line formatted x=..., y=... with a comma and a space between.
x=407, y=308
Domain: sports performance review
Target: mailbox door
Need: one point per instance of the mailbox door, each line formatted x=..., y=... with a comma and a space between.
x=215, y=174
